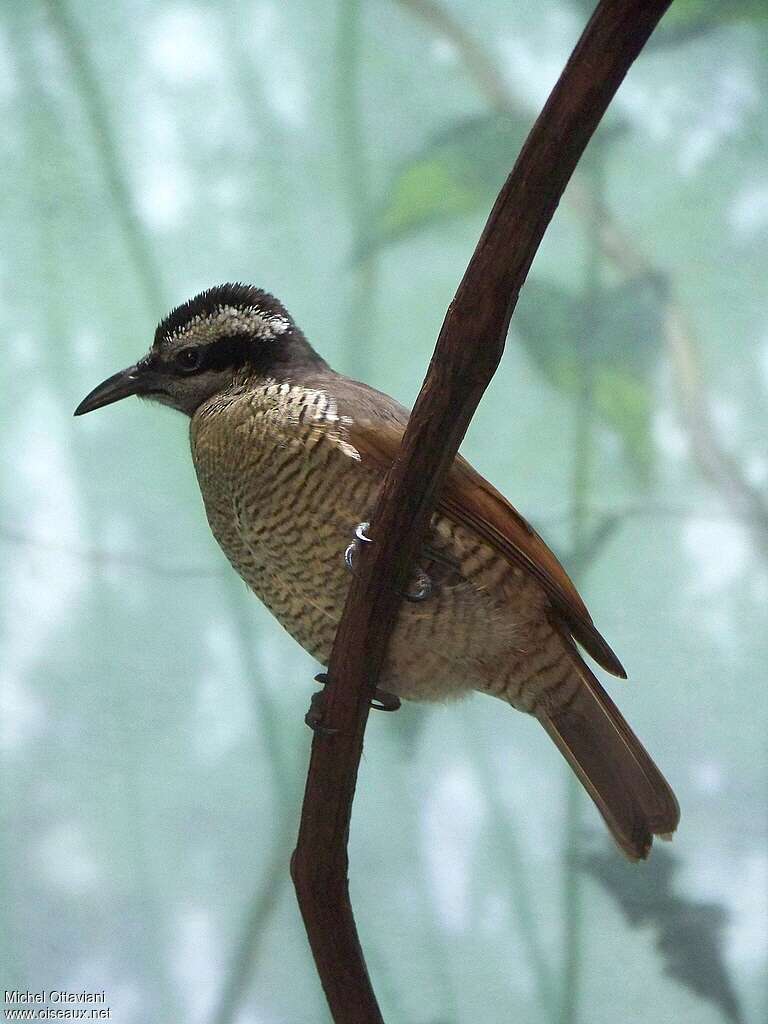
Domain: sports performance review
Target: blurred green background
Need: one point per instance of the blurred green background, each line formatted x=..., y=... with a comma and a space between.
x=344, y=155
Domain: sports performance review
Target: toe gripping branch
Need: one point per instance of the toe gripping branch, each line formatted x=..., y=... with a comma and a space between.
x=382, y=701
x=421, y=587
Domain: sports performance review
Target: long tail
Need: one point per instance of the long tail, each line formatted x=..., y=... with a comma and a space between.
x=630, y=792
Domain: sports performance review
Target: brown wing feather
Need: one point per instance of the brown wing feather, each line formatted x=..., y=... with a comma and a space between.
x=376, y=431
x=469, y=499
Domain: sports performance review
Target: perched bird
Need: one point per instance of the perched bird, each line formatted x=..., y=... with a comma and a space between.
x=290, y=457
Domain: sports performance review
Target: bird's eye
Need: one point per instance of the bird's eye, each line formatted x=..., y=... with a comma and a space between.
x=188, y=359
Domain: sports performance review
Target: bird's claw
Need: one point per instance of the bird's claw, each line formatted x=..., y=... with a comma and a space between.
x=361, y=537
x=421, y=587
x=382, y=700
x=361, y=532
x=314, y=717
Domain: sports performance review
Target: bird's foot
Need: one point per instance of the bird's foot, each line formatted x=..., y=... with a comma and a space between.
x=384, y=701
x=421, y=584
x=381, y=701
x=314, y=717
x=353, y=550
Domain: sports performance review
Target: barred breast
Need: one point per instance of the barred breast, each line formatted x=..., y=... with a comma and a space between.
x=284, y=489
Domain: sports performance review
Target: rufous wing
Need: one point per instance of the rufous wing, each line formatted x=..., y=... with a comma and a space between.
x=376, y=431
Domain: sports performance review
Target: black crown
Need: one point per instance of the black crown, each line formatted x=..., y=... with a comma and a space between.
x=241, y=296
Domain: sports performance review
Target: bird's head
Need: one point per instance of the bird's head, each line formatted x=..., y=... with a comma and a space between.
x=227, y=334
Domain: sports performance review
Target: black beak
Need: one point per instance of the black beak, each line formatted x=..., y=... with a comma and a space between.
x=121, y=385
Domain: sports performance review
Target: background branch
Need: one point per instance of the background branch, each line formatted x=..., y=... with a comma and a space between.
x=468, y=350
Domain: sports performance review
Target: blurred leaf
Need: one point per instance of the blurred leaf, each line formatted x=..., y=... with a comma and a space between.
x=615, y=338
x=627, y=323
x=548, y=318
x=691, y=19
x=704, y=12
x=689, y=935
x=459, y=171
x=626, y=403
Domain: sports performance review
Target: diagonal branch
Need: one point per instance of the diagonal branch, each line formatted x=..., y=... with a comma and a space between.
x=468, y=351
x=708, y=450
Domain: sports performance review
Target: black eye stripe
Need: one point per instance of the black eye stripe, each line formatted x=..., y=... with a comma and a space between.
x=231, y=352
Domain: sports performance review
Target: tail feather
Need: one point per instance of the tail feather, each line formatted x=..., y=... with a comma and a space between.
x=628, y=789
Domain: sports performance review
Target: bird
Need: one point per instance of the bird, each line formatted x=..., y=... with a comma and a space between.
x=290, y=457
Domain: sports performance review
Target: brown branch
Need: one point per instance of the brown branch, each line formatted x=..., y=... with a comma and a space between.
x=715, y=462
x=468, y=350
